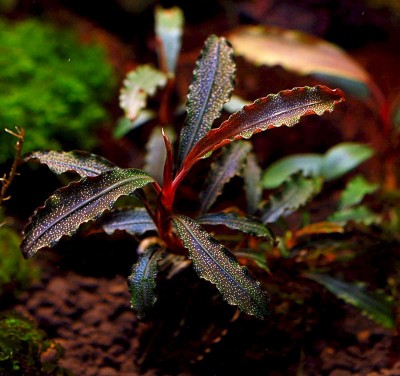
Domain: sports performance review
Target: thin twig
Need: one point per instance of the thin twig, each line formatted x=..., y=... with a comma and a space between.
x=7, y=179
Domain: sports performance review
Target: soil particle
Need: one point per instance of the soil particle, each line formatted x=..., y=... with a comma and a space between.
x=91, y=319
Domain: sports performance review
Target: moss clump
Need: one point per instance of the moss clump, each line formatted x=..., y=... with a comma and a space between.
x=24, y=349
x=51, y=85
x=15, y=273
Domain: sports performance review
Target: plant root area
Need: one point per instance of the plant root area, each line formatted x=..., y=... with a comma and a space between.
x=194, y=332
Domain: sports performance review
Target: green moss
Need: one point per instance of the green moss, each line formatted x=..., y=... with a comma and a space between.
x=51, y=85
x=15, y=273
x=24, y=349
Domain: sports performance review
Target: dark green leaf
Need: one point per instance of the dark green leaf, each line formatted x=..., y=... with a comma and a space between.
x=215, y=263
x=372, y=306
x=213, y=82
x=79, y=202
x=223, y=170
x=135, y=221
x=285, y=108
x=356, y=189
x=82, y=163
x=142, y=282
x=343, y=158
x=248, y=225
x=296, y=192
x=169, y=29
x=281, y=170
x=253, y=188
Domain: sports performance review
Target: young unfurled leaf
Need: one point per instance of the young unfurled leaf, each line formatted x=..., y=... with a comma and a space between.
x=305, y=55
x=296, y=192
x=223, y=170
x=135, y=221
x=215, y=263
x=82, y=163
x=142, y=282
x=156, y=153
x=285, y=108
x=337, y=161
x=356, y=189
x=79, y=202
x=169, y=29
x=358, y=214
x=140, y=83
x=278, y=172
x=376, y=308
x=252, y=179
x=125, y=125
x=342, y=158
x=212, y=84
x=248, y=225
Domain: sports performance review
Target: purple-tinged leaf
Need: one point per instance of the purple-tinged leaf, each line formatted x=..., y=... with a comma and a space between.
x=79, y=202
x=215, y=263
x=142, y=281
x=296, y=192
x=223, y=170
x=248, y=225
x=135, y=221
x=80, y=162
x=252, y=183
x=211, y=88
x=285, y=108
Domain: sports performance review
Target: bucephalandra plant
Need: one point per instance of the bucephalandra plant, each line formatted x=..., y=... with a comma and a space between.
x=103, y=183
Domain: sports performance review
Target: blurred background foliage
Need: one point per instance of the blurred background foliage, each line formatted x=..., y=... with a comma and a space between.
x=53, y=85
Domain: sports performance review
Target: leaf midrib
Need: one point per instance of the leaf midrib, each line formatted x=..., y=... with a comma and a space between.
x=216, y=262
x=84, y=203
x=192, y=136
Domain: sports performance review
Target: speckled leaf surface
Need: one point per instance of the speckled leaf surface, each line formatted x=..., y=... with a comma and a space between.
x=252, y=183
x=135, y=221
x=79, y=202
x=285, y=108
x=248, y=225
x=375, y=307
x=296, y=192
x=215, y=263
x=142, y=283
x=222, y=171
x=212, y=84
x=82, y=163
